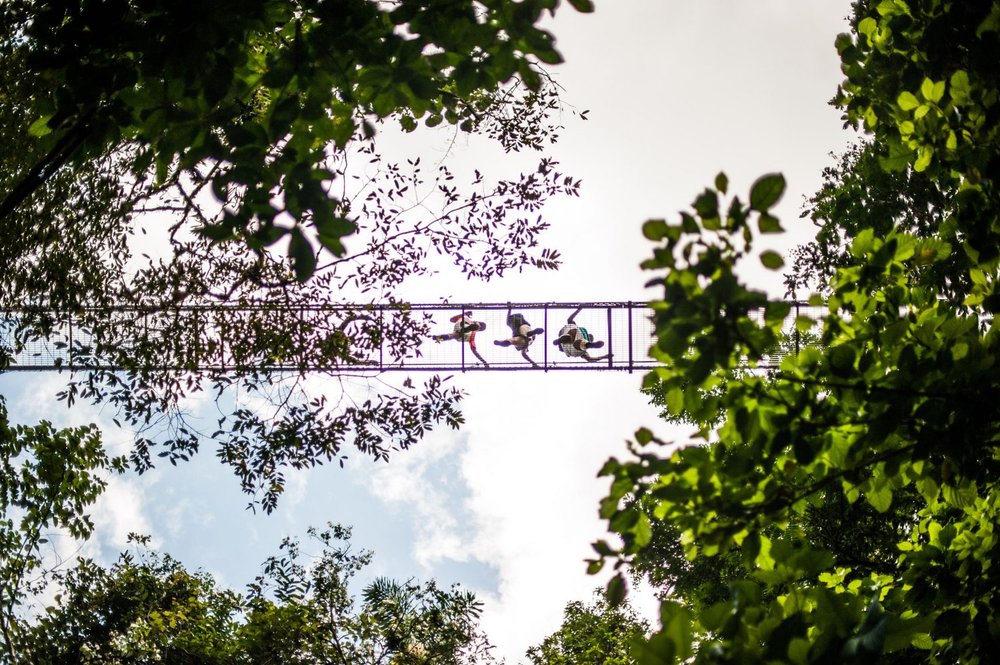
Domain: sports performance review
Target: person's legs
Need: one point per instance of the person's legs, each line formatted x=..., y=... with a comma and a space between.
x=476, y=353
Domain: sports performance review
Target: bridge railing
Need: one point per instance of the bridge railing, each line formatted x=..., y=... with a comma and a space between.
x=357, y=338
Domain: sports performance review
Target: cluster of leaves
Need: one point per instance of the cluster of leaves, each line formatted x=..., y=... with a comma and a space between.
x=219, y=130
x=260, y=92
x=893, y=407
x=592, y=634
x=857, y=193
x=147, y=608
x=48, y=480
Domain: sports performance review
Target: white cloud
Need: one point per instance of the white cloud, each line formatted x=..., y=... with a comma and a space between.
x=119, y=511
x=531, y=466
x=414, y=480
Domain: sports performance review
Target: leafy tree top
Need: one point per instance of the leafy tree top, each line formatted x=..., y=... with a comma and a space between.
x=891, y=406
x=261, y=90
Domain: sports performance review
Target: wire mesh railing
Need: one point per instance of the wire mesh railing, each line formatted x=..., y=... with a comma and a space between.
x=437, y=337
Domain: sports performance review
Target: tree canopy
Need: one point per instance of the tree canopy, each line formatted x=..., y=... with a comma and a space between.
x=167, y=160
x=147, y=608
x=894, y=405
x=592, y=633
x=172, y=171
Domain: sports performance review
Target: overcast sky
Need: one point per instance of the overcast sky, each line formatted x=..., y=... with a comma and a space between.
x=677, y=91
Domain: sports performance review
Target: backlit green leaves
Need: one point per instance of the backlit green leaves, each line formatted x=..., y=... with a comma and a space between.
x=889, y=412
x=49, y=479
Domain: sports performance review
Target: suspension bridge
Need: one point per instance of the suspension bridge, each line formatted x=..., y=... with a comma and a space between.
x=283, y=337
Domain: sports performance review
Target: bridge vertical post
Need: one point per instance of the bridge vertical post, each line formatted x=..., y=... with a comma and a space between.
x=611, y=358
x=381, y=334
x=69, y=349
x=195, y=318
x=223, y=335
x=629, y=337
x=545, y=337
x=461, y=335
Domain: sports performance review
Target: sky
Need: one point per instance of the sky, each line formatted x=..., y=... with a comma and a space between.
x=507, y=506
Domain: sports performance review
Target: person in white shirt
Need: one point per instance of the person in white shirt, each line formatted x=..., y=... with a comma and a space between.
x=576, y=341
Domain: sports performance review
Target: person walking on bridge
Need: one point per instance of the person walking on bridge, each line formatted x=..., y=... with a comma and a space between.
x=576, y=341
x=522, y=335
x=465, y=329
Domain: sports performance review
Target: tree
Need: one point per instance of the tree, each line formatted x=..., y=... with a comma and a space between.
x=854, y=533
x=894, y=400
x=260, y=92
x=242, y=140
x=857, y=193
x=237, y=142
x=48, y=479
x=148, y=608
x=591, y=634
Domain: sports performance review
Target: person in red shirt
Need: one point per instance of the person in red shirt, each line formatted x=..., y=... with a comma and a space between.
x=465, y=329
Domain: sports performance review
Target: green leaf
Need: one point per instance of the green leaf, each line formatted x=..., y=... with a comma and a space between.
x=776, y=311
x=880, y=497
x=707, y=205
x=642, y=531
x=842, y=358
x=301, y=253
x=924, y=156
x=766, y=191
x=40, y=127
x=721, y=182
x=408, y=123
x=333, y=244
x=216, y=232
x=937, y=92
x=907, y=101
x=960, y=88
x=616, y=590
x=675, y=400
x=335, y=227
x=675, y=620
x=585, y=6
x=899, y=157
x=769, y=224
x=991, y=23
x=771, y=259
x=803, y=323
x=655, y=229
